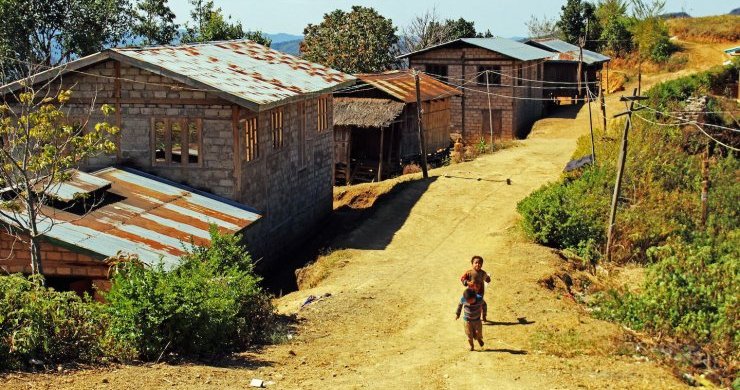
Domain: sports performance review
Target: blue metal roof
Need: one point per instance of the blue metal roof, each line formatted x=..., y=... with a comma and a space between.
x=568, y=51
x=147, y=216
x=505, y=46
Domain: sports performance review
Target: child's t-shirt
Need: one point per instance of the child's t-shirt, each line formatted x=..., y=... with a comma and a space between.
x=472, y=310
x=479, y=277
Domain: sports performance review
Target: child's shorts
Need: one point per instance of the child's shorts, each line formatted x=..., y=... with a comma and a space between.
x=474, y=329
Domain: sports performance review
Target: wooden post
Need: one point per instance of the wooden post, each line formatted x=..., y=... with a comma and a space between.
x=380, y=158
x=620, y=169
x=603, y=107
x=705, y=186
x=607, y=79
x=639, y=77
x=590, y=122
x=490, y=113
x=422, y=142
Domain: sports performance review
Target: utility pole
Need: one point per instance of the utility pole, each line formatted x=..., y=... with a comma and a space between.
x=639, y=77
x=603, y=106
x=705, y=186
x=581, y=43
x=590, y=122
x=490, y=114
x=422, y=142
x=620, y=167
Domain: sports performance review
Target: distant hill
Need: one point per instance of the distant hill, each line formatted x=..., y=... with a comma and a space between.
x=290, y=47
x=283, y=37
x=675, y=15
x=735, y=11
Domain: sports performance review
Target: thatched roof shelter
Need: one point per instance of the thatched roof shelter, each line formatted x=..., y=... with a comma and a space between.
x=365, y=112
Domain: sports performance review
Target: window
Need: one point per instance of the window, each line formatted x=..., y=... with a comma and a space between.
x=437, y=70
x=489, y=75
x=176, y=141
x=276, y=121
x=251, y=140
x=323, y=114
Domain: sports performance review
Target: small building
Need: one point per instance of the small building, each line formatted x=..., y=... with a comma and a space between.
x=501, y=81
x=733, y=51
x=376, y=124
x=131, y=212
x=561, y=69
x=233, y=119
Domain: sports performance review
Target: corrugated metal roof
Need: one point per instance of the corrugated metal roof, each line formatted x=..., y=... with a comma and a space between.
x=733, y=50
x=148, y=216
x=569, y=52
x=241, y=71
x=79, y=184
x=241, y=68
x=401, y=85
x=507, y=47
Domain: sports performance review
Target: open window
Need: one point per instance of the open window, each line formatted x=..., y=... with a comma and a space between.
x=176, y=142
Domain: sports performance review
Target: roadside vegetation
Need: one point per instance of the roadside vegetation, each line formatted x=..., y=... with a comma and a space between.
x=689, y=300
x=209, y=304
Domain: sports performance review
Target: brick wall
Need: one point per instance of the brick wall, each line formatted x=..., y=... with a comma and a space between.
x=468, y=111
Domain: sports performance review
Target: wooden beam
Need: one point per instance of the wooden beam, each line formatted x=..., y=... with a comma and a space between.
x=117, y=97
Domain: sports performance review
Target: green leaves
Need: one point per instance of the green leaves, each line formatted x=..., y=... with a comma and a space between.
x=360, y=41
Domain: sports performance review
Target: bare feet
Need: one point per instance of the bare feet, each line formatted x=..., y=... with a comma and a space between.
x=480, y=341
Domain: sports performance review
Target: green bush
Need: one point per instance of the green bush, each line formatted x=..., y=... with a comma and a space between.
x=209, y=303
x=692, y=292
x=570, y=214
x=38, y=323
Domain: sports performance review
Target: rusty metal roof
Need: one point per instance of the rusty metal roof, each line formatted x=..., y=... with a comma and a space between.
x=401, y=85
x=240, y=71
x=145, y=215
x=241, y=68
x=78, y=185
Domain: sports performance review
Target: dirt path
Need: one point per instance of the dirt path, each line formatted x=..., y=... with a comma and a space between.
x=389, y=322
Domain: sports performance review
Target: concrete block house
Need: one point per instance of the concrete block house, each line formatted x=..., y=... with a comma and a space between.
x=235, y=122
x=510, y=70
x=376, y=126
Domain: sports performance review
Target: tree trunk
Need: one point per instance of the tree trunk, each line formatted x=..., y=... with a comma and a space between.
x=33, y=232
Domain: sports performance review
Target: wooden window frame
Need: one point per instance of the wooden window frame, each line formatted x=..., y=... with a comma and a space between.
x=494, y=79
x=277, y=127
x=322, y=114
x=519, y=74
x=184, y=141
x=250, y=127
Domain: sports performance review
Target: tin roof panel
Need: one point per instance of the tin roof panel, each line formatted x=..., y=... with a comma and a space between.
x=401, y=85
x=241, y=68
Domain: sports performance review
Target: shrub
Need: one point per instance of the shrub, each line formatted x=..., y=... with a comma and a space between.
x=42, y=324
x=209, y=303
x=569, y=215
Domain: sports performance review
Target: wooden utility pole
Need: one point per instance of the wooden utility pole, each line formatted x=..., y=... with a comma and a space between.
x=705, y=187
x=603, y=106
x=620, y=167
x=490, y=113
x=422, y=142
x=639, y=77
x=590, y=122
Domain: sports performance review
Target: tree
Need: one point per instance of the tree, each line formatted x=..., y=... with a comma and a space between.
x=615, y=35
x=358, y=41
x=211, y=25
x=650, y=31
x=155, y=22
x=573, y=20
x=428, y=30
x=40, y=145
x=50, y=32
x=542, y=28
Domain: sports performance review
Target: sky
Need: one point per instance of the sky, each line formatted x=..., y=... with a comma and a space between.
x=504, y=18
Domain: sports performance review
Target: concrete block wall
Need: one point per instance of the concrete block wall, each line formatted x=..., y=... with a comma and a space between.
x=56, y=261
x=462, y=64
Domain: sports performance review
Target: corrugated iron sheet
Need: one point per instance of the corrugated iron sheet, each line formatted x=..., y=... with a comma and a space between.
x=505, y=46
x=241, y=68
x=79, y=184
x=401, y=85
x=568, y=52
x=147, y=216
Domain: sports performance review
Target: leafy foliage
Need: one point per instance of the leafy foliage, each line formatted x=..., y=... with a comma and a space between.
x=209, y=303
x=359, y=41
x=542, y=28
x=155, y=22
x=45, y=325
x=210, y=24
x=53, y=31
x=572, y=24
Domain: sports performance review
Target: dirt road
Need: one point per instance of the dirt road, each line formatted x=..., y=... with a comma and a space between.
x=389, y=322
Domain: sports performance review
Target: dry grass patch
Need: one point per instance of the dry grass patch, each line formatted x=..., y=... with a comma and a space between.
x=311, y=275
x=708, y=29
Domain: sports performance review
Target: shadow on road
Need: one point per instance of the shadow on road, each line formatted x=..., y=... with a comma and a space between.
x=569, y=111
x=519, y=321
x=505, y=350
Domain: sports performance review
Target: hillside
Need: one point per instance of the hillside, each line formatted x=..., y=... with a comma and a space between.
x=290, y=47
x=708, y=29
